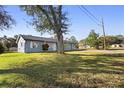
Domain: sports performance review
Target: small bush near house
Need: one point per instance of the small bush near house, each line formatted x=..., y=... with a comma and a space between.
x=1, y=48
x=45, y=46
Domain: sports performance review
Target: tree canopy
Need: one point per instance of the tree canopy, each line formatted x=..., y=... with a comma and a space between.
x=49, y=18
x=117, y=39
x=92, y=39
x=73, y=39
x=6, y=21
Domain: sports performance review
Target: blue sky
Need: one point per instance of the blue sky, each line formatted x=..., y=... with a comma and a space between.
x=81, y=24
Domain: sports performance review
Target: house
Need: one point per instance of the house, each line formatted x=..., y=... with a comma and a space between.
x=117, y=45
x=29, y=43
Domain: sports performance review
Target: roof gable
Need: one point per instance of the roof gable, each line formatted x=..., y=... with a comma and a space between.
x=36, y=38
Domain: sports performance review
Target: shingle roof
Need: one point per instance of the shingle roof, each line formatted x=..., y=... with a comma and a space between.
x=36, y=38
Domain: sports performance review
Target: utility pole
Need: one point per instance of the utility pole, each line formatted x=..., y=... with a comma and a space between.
x=104, y=36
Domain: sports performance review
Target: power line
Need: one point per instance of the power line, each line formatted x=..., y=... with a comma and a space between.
x=88, y=15
x=104, y=39
x=91, y=14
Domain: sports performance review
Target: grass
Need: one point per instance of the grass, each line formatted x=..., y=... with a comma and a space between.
x=74, y=69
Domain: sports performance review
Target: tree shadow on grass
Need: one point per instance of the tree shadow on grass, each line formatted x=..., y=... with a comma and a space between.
x=106, y=55
x=45, y=74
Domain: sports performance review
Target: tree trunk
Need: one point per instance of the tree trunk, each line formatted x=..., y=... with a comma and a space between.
x=60, y=45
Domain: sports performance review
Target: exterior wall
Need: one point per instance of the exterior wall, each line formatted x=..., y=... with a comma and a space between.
x=29, y=49
x=67, y=46
x=21, y=48
x=52, y=47
x=26, y=48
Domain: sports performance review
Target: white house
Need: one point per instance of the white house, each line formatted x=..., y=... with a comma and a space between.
x=117, y=46
x=29, y=43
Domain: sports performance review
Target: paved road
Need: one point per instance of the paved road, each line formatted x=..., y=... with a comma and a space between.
x=107, y=51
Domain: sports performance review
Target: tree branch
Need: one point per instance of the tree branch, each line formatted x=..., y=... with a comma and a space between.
x=44, y=11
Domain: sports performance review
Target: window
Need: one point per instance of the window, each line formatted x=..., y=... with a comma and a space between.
x=34, y=44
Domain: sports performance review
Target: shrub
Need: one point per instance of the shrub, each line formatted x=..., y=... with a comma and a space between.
x=45, y=46
x=1, y=48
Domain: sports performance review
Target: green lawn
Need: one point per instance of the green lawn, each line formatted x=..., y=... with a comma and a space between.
x=74, y=69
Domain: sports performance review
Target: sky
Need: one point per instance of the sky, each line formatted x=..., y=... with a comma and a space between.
x=80, y=23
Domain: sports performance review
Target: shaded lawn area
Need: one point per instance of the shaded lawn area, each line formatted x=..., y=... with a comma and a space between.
x=74, y=69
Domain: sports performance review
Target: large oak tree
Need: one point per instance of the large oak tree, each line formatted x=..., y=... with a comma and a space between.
x=49, y=18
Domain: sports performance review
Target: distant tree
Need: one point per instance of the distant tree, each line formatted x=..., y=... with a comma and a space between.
x=118, y=39
x=6, y=20
x=83, y=41
x=5, y=37
x=1, y=48
x=7, y=45
x=15, y=37
x=109, y=41
x=73, y=39
x=8, y=42
x=12, y=42
x=4, y=42
x=49, y=18
x=92, y=39
x=119, y=36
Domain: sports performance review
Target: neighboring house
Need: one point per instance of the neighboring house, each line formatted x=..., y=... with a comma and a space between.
x=29, y=43
x=117, y=46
